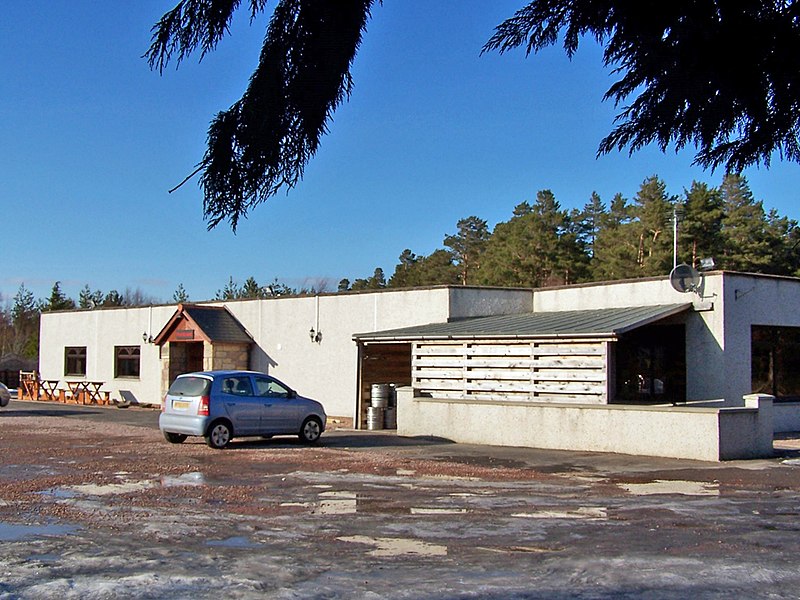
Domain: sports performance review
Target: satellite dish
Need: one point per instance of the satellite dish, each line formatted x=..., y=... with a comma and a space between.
x=684, y=279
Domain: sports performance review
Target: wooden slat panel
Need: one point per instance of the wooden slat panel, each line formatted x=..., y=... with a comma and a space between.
x=505, y=363
x=541, y=371
x=513, y=375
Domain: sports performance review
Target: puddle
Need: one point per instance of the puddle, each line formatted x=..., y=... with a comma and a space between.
x=238, y=541
x=685, y=488
x=337, y=503
x=126, y=487
x=109, y=489
x=13, y=533
x=396, y=546
x=584, y=512
x=195, y=478
x=524, y=549
x=438, y=511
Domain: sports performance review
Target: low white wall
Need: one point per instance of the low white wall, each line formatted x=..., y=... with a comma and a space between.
x=786, y=416
x=678, y=432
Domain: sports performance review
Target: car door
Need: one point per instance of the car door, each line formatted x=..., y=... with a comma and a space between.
x=279, y=410
x=243, y=408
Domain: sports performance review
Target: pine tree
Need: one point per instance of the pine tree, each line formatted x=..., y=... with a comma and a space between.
x=180, y=294
x=467, y=246
x=25, y=312
x=616, y=246
x=746, y=247
x=652, y=211
x=700, y=229
x=88, y=298
x=57, y=300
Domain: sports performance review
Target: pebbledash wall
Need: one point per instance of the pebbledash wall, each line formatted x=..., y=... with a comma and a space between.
x=722, y=420
x=325, y=370
x=718, y=360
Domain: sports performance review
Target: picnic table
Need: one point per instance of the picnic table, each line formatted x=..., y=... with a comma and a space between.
x=93, y=393
x=76, y=390
x=49, y=389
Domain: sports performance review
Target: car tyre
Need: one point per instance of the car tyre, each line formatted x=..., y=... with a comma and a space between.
x=310, y=431
x=175, y=438
x=4, y=401
x=219, y=434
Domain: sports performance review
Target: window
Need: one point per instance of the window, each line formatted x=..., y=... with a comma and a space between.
x=75, y=361
x=126, y=361
x=238, y=386
x=775, y=361
x=271, y=388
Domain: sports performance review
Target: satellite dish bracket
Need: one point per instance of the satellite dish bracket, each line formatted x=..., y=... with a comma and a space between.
x=684, y=278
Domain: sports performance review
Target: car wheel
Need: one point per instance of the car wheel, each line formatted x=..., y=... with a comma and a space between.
x=310, y=431
x=4, y=401
x=219, y=434
x=175, y=438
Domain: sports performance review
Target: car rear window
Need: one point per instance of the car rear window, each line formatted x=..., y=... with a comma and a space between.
x=190, y=386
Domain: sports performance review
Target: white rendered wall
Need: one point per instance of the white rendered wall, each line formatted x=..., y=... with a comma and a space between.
x=697, y=433
x=325, y=370
x=100, y=330
x=328, y=370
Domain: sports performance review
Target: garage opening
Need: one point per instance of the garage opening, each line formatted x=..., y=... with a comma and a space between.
x=380, y=364
x=651, y=365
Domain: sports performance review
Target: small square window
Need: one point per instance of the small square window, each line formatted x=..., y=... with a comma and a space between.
x=75, y=361
x=126, y=361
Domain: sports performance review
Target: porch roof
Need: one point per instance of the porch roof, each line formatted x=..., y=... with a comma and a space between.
x=214, y=324
x=596, y=323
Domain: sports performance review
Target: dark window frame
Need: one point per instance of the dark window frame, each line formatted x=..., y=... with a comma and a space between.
x=127, y=362
x=650, y=365
x=75, y=361
x=775, y=361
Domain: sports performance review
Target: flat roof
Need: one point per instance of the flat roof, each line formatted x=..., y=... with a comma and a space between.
x=601, y=322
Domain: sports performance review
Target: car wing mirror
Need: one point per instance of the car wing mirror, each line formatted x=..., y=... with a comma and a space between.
x=291, y=395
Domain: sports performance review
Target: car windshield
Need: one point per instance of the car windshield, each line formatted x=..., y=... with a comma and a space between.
x=190, y=386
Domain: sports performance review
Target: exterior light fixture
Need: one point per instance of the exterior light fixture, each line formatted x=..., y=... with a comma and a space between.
x=315, y=336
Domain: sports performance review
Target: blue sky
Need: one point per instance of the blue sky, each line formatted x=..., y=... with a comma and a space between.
x=92, y=140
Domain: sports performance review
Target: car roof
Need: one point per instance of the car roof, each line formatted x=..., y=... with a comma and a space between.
x=221, y=373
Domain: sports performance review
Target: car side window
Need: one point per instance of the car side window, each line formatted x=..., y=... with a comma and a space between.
x=270, y=388
x=237, y=386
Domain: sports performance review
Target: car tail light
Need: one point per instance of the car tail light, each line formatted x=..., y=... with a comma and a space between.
x=202, y=410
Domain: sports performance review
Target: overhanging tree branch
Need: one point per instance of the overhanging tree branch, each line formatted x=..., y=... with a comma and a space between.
x=263, y=142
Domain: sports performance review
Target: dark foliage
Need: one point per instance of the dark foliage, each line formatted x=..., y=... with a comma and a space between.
x=263, y=142
x=722, y=76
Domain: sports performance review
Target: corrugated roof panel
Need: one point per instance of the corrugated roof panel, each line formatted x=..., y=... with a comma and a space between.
x=602, y=322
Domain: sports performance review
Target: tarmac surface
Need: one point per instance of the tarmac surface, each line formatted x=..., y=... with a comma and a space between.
x=95, y=504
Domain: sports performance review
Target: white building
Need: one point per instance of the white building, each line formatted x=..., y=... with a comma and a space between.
x=631, y=366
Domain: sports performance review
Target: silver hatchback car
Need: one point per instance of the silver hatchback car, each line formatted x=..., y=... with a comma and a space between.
x=221, y=405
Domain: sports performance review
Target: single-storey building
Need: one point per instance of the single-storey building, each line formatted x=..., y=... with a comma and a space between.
x=630, y=366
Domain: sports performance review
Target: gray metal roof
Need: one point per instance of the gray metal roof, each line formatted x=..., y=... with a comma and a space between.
x=218, y=324
x=602, y=322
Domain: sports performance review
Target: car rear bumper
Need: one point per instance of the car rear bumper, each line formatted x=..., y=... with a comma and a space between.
x=187, y=424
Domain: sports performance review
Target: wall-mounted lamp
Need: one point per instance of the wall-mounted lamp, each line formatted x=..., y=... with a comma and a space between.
x=147, y=339
x=316, y=336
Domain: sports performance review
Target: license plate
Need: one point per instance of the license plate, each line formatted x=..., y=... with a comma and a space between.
x=180, y=404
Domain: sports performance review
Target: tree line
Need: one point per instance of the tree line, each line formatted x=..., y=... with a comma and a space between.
x=543, y=244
